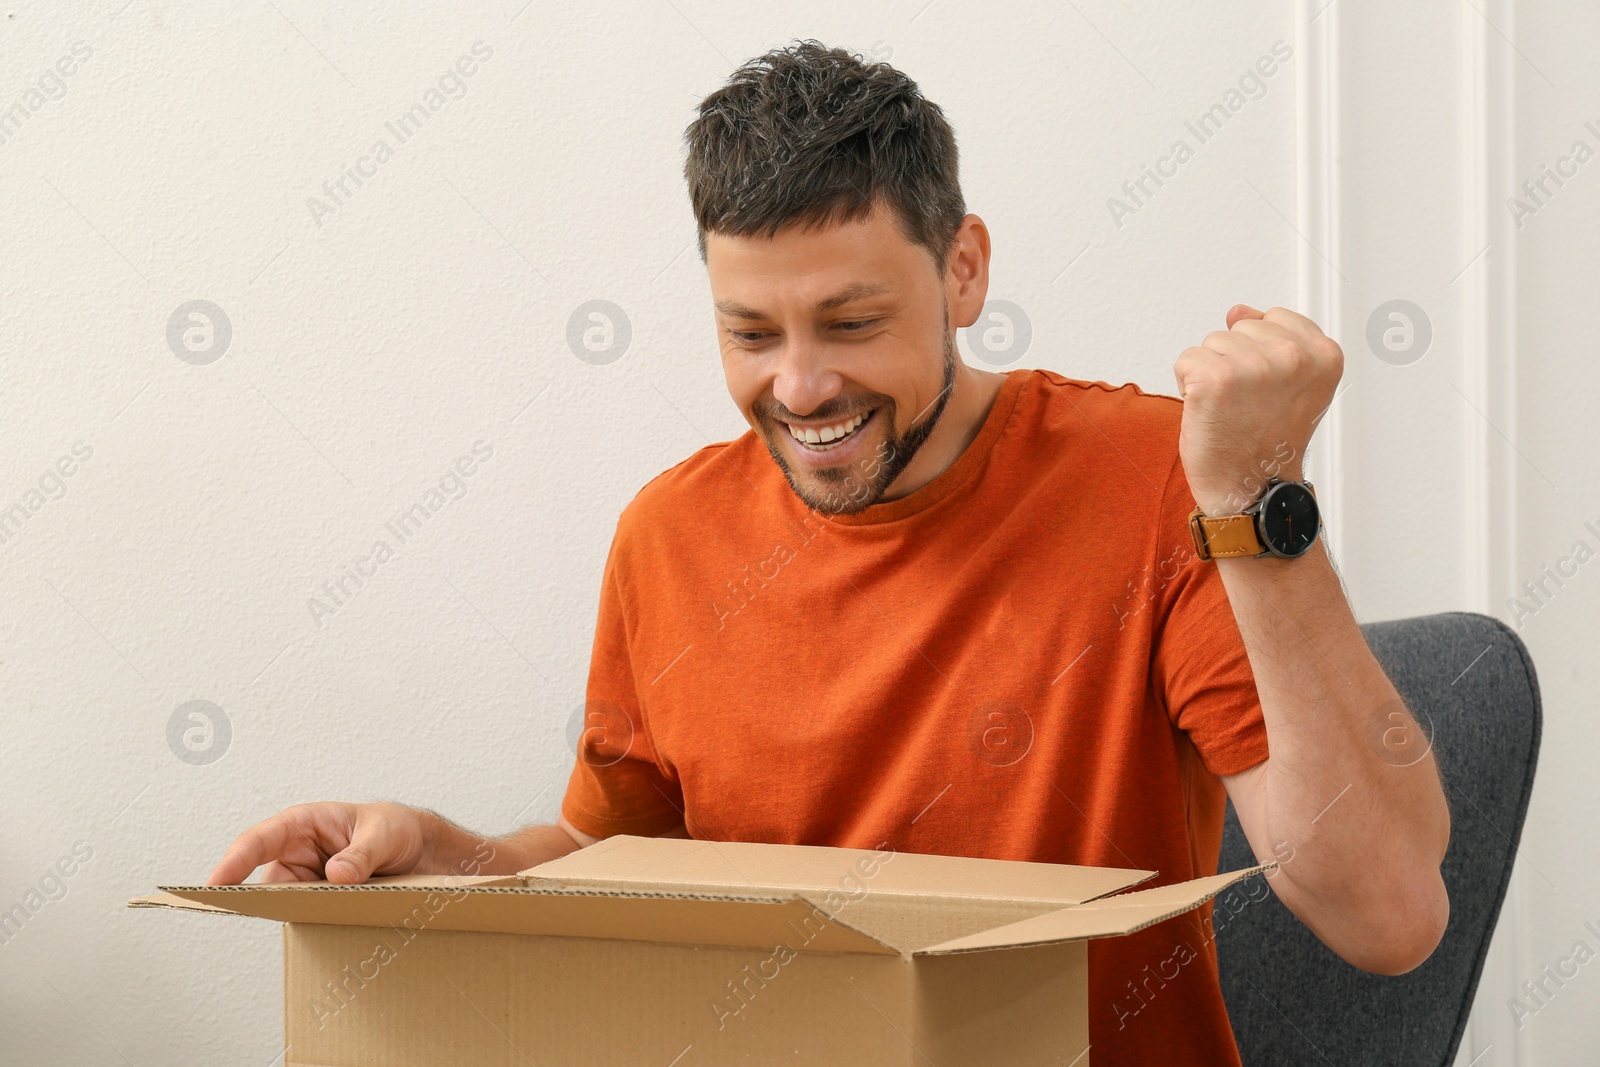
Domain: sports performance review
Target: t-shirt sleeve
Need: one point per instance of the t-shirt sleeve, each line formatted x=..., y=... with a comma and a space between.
x=616, y=785
x=1198, y=661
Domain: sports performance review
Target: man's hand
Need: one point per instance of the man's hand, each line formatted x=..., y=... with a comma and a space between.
x=349, y=843
x=1252, y=394
x=344, y=843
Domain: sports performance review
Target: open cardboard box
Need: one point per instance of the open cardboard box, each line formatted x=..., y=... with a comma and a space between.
x=669, y=952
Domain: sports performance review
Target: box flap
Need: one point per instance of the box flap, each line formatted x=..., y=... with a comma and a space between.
x=430, y=881
x=686, y=865
x=424, y=904
x=1112, y=916
x=168, y=900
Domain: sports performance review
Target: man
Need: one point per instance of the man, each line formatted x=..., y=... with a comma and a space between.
x=962, y=612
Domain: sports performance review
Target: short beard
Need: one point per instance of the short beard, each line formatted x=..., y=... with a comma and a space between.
x=861, y=484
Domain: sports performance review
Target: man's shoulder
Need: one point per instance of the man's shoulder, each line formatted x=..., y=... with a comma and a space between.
x=1126, y=402
x=695, y=487
x=1124, y=420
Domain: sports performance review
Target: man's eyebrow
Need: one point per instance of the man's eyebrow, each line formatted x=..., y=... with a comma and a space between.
x=844, y=296
x=738, y=310
x=851, y=292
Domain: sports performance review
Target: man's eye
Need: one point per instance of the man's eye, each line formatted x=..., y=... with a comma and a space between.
x=856, y=326
x=746, y=337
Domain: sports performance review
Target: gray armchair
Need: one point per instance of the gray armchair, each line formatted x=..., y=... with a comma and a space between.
x=1291, y=1000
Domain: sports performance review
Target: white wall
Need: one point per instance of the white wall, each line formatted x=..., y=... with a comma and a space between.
x=1465, y=472
x=430, y=311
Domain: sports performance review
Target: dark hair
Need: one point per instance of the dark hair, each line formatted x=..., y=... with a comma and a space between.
x=816, y=136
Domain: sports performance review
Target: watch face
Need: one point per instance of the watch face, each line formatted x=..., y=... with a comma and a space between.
x=1288, y=519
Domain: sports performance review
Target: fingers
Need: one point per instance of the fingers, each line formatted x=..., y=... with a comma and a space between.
x=292, y=844
x=278, y=871
x=344, y=843
x=356, y=861
x=1300, y=342
x=1262, y=330
x=1235, y=342
x=1274, y=341
x=1242, y=312
x=262, y=843
x=1294, y=322
x=386, y=839
x=1264, y=345
x=1190, y=367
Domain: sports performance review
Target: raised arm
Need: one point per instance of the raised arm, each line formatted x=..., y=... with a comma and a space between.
x=1349, y=800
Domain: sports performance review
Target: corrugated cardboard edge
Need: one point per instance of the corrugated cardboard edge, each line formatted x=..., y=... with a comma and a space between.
x=594, y=867
x=1035, y=931
x=181, y=898
x=721, y=891
x=1127, y=888
x=168, y=897
x=176, y=903
x=283, y=945
x=187, y=893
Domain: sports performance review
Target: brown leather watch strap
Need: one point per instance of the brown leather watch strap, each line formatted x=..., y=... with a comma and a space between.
x=1224, y=537
x=1228, y=536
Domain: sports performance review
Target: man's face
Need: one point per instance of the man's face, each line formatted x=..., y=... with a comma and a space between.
x=840, y=333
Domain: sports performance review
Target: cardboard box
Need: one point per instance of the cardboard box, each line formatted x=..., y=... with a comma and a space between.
x=669, y=952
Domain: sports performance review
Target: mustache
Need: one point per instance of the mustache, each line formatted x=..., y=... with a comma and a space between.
x=835, y=410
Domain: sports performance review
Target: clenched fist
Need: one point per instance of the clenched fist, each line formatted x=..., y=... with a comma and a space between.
x=1252, y=395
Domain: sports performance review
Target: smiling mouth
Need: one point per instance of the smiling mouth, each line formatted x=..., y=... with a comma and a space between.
x=825, y=438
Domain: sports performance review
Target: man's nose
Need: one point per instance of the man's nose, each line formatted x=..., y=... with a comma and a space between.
x=804, y=380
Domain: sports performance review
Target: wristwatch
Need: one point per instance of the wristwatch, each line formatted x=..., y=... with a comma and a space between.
x=1283, y=523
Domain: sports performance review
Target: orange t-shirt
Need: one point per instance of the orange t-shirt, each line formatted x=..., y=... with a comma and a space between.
x=1021, y=660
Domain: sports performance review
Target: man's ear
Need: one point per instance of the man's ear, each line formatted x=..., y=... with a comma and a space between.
x=967, y=272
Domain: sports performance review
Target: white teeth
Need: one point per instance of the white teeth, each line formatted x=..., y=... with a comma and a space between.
x=828, y=434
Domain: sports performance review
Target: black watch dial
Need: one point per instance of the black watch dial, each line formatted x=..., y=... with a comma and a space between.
x=1288, y=519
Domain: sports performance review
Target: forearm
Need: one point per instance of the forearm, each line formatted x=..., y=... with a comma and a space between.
x=1351, y=786
x=450, y=849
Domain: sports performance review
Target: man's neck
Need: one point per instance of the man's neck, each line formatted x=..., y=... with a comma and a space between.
x=971, y=396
